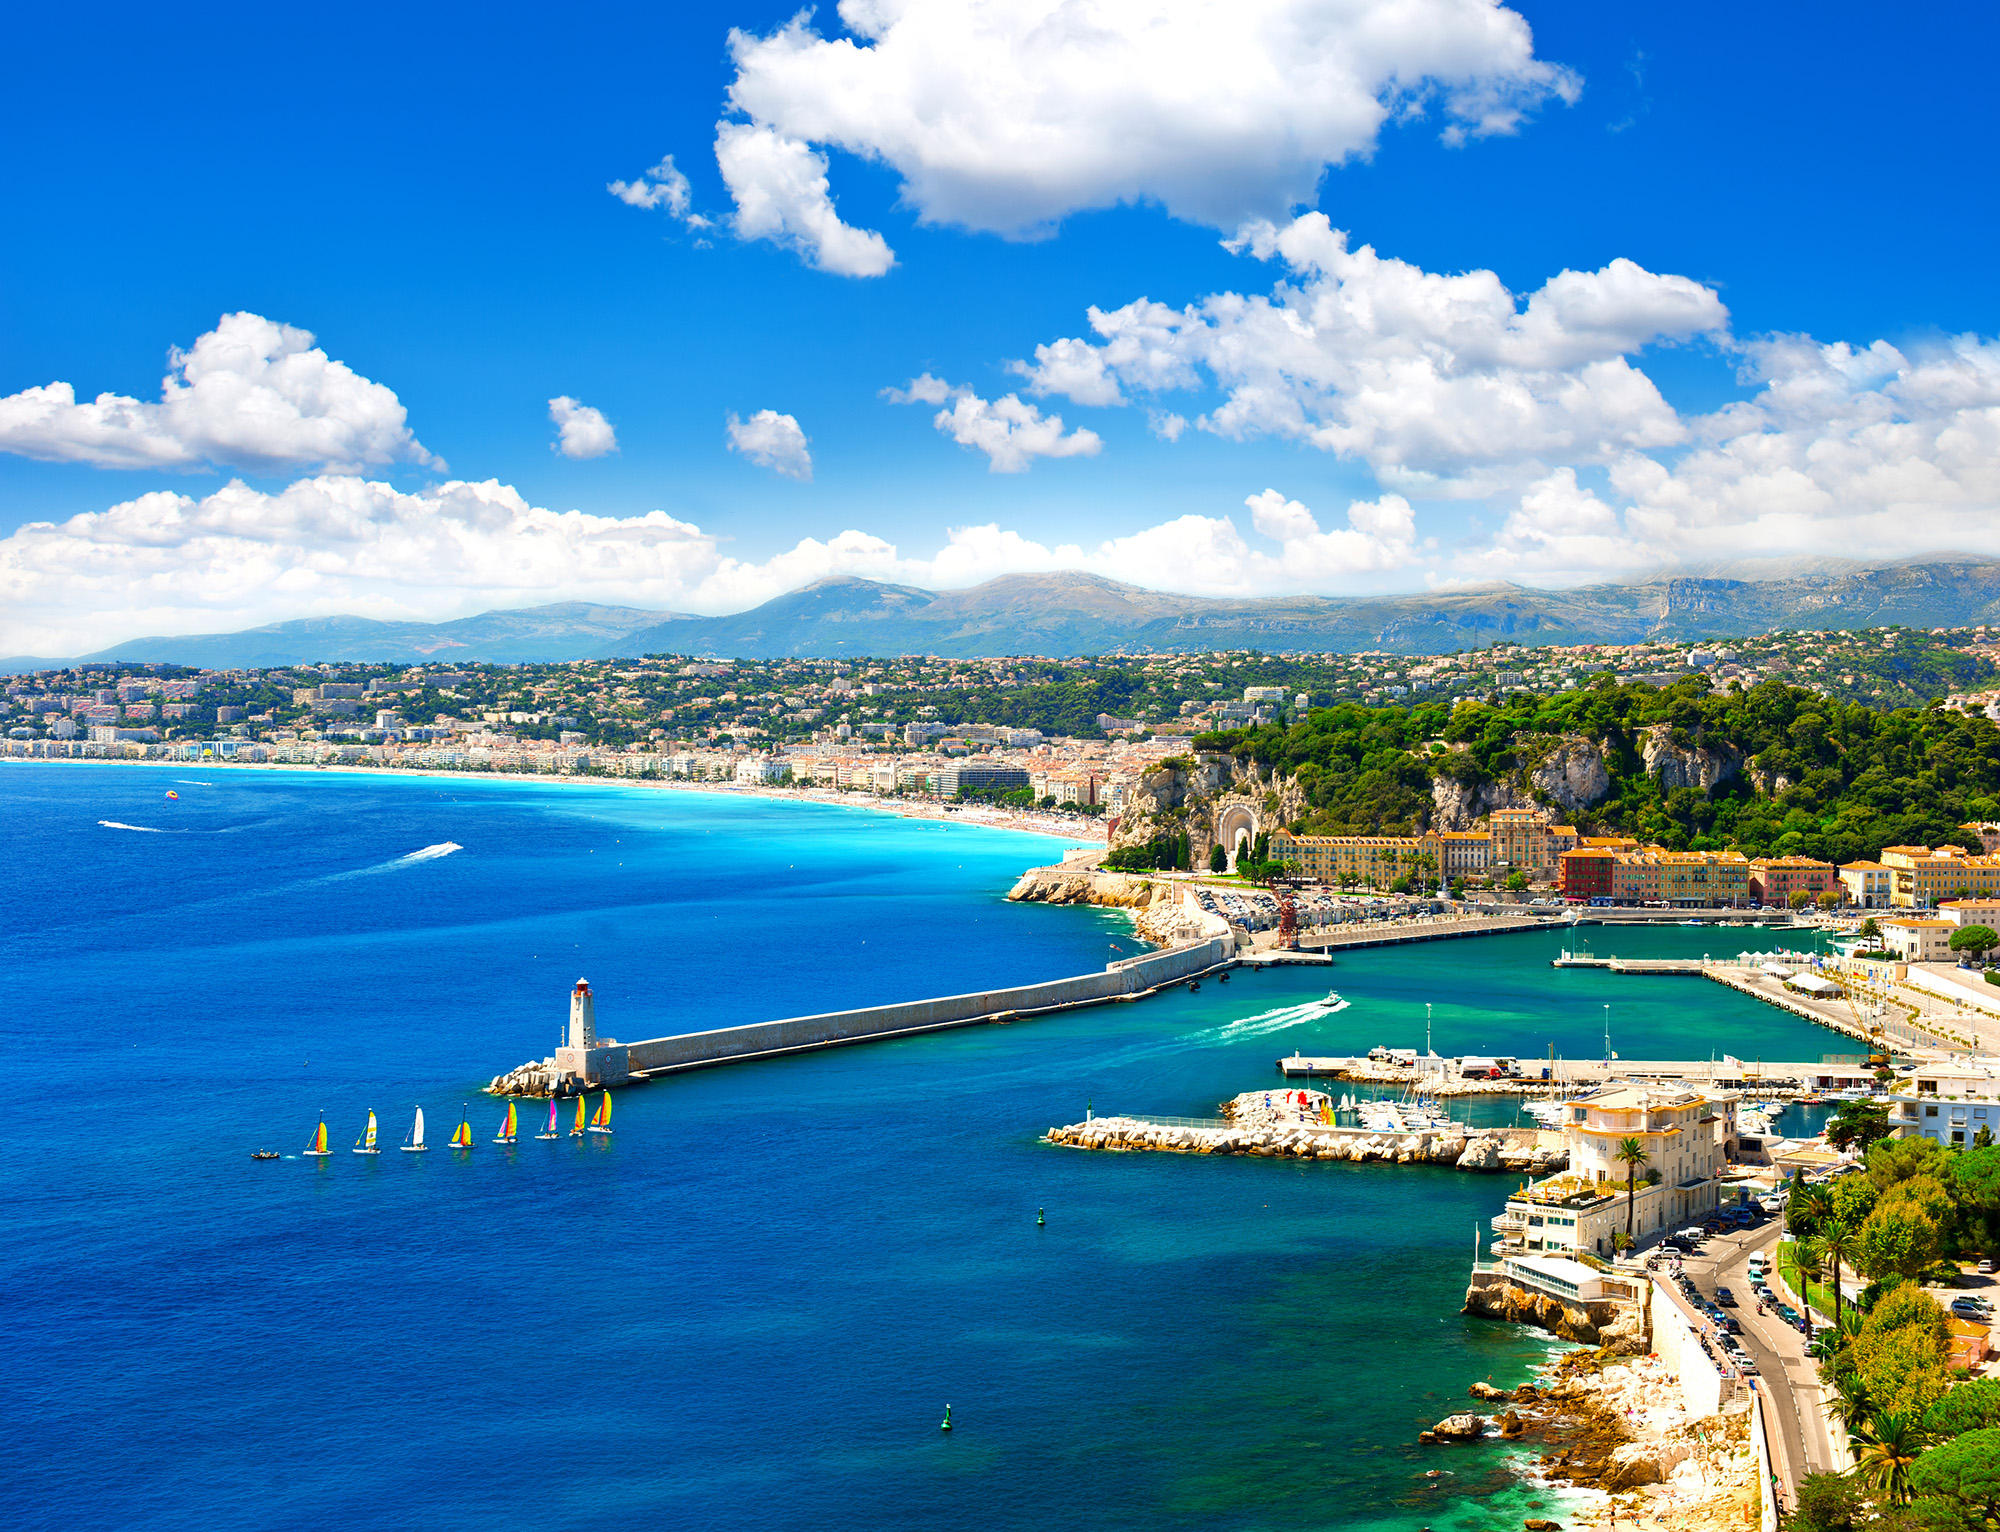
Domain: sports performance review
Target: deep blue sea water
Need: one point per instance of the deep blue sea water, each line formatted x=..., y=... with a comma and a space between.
x=749, y=1307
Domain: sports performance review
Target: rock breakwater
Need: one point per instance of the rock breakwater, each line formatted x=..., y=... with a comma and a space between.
x=1470, y=1149
x=1619, y=1328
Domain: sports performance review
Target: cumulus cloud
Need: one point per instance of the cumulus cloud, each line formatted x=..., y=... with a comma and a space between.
x=1419, y=374
x=1008, y=115
x=580, y=430
x=251, y=393
x=772, y=441
x=1868, y=452
x=1011, y=432
x=175, y=563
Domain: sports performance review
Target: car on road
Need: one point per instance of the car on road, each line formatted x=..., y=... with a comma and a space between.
x=1986, y=1268
x=1725, y=1297
x=1972, y=1308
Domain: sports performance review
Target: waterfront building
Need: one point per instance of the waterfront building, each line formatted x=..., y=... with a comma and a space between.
x=1917, y=940
x=1373, y=859
x=1868, y=885
x=980, y=777
x=1971, y=912
x=1923, y=876
x=1587, y=872
x=1687, y=1136
x=1774, y=879
x=1463, y=853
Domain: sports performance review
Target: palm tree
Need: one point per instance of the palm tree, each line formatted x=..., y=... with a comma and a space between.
x=1631, y=1153
x=1838, y=1239
x=1851, y=1405
x=1885, y=1447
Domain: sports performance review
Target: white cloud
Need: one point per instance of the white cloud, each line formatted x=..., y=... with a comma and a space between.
x=173, y=563
x=663, y=187
x=1418, y=374
x=772, y=441
x=1011, y=432
x=580, y=430
x=781, y=194
x=250, y=393
x=1008, y=115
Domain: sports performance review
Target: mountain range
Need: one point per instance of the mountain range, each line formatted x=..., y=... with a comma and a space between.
x=1075, y=614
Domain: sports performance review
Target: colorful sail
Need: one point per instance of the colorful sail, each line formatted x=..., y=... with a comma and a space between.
x=601, y=1123
x=507, y=1128
x=367, y=1144
x=317, y=1144
x=461, y=1136
x=577, y=1131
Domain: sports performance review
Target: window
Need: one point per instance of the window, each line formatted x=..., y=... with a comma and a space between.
x=1930, y=1109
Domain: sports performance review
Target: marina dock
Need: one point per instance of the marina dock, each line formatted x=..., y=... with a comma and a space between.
x=1828, y=1072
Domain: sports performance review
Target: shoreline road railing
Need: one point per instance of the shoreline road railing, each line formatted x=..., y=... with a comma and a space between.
x=1155, y=1120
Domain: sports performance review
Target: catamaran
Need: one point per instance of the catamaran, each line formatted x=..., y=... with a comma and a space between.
x=461, y=1136
x=367, y=1143
x=550, y=1132
x=577, y=1131
x=601, y=1123
x=415, y=1144
x=507, y=1128
x=316, y=1145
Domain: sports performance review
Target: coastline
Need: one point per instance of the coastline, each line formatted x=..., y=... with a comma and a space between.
x=1085, y=834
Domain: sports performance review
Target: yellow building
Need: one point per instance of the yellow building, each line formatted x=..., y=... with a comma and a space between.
x=1373, y=859
x=1921, y=877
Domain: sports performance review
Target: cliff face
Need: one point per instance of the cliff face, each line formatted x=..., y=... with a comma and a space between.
x=1573, y=775
x=1194, y=798
x=1701, y=767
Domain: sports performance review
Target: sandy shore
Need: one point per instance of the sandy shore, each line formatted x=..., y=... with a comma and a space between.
x=1083, y=834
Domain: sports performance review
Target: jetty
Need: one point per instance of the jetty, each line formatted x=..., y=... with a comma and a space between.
x=588, y=1061
x=1778, y=1076
x=1519, y=1151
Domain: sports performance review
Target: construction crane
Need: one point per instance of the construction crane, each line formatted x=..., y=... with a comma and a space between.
x=1288, y=917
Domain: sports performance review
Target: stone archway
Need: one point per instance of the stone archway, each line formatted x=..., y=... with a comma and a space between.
x=1234, y=821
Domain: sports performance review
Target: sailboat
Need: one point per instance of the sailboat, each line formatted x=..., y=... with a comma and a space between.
x=507, y=1128
x=367, y=1144
x=461, y=1136
x=601, y=1123
x=577, y=1131
x=550, y=1131
x=316, y=1145
x=415, y=1144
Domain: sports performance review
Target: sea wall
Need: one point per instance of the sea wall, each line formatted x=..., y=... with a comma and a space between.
x=1676, y=1344
x=1127, y=979
x=1495, y=1149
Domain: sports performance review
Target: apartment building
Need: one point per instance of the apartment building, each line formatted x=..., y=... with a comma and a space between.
x=1868, y=885
x=1774, y=879
x=1923, y=876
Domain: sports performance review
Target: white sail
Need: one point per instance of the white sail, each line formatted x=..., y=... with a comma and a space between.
x=417, y=1133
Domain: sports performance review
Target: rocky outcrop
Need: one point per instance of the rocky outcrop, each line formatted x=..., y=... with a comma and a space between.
x=1585, y=1323
x=536, y=1079
x=1457, y=805
x=1193, y=798
x=1573, y=775
x=1455, y=1428
x=1073, y=885
x=1480, y=1154
x=1700, y=767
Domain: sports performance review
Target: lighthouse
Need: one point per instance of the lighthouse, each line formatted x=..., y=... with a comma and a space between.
x=585, y=1059
x=582, y=1017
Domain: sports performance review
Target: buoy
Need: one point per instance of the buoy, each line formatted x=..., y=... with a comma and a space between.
x=1040, y=1218
x=947, y=1419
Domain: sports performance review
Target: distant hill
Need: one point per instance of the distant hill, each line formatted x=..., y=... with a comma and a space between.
x=1064, y=614
x=567, y=630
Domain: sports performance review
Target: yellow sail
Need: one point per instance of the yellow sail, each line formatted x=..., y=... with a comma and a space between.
x=461, y=1136
x=509, y=1130
x=577, y=1131
x=603, y=1117
x=318, y=1144
x=368, y=1139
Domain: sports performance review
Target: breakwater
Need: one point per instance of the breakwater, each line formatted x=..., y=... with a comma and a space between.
x=612, y=1063
x=1515, y=1150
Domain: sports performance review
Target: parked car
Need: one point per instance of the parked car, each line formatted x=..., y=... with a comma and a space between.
x=1725, y=1297
x=1986, y=1267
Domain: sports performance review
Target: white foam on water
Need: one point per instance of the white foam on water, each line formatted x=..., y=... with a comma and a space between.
x=112, y=824
x=429, y=853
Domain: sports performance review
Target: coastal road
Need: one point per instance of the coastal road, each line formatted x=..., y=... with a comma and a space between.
x=1790, y=1375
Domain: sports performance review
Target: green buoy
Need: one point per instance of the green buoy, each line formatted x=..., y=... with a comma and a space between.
x=947, y=1419
x=1040, y=1218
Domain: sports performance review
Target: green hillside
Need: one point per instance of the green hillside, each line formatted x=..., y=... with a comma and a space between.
x=1844, y=780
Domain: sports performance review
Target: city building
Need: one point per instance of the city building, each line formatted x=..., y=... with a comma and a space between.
x=1587, y=872
x=980, y=777
x=1773, y=880
x=1923, y=876
x=1868, y=885
x=1948, y=1104
x=1686, y=1136
x=1917, y=940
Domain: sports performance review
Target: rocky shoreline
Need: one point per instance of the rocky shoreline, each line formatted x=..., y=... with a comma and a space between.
x=1616, y=1425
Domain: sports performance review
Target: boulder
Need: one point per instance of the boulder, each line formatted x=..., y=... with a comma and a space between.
x=1483, y=1390
x=1541, y=1524
x=1480, y=1154
x=1459, y=1428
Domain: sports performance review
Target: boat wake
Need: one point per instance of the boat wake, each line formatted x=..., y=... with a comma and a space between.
x=112, y=824
x=410, y=859
x=1280, y=1020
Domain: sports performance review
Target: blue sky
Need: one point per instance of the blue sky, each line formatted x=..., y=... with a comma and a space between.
x=429, y=201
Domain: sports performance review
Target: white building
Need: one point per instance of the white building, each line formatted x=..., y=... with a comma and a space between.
x=1916, y=940
x=1948, y=1104
x=1686, y=1136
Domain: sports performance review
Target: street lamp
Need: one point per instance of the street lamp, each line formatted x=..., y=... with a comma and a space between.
x=1607, y=1031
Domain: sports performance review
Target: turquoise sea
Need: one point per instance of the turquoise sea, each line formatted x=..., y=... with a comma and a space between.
x=749, y=1308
